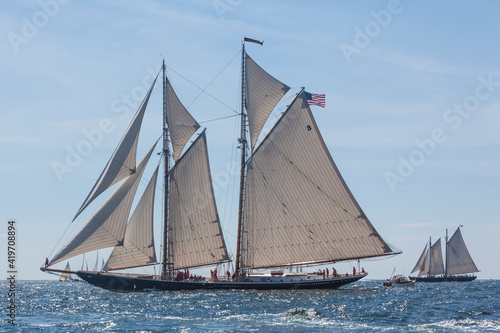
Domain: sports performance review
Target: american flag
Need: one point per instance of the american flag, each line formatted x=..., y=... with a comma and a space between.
x=315, y=99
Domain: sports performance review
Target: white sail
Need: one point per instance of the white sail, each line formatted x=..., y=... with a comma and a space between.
x=106, y=227
x=262, y=94
x=298, y=208
x=420, y=262
x=180, y=122
x=458, y=259
x=195, y=235
x=122, y=162
x=138, y=248
x=437, y=266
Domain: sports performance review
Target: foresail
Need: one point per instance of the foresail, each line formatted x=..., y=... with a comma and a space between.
x=195, y=232
x=180, y=122
x=458, y=259
x=262, y=94
x=138, y=248
x=106, y=227
x=421, y=260
x=436, y=265
x=122, y=162
x=298, y=208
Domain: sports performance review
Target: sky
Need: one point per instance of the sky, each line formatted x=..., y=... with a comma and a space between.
x=411, y=118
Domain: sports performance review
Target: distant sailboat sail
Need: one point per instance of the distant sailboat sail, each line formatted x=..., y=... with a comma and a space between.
x=421, y=261
x=458, y=259
x=436, y=262
x=66, y=277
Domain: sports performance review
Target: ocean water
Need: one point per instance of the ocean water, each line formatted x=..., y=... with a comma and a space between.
x=365, y=306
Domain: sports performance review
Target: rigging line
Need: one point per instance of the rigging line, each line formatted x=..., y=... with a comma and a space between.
x=203, y=91
x=207, y=121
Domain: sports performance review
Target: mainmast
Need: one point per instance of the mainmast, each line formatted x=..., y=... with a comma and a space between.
x=430, y=257
x=243, y=145
x=166, y=156
x=243, y=141
x=446, y=254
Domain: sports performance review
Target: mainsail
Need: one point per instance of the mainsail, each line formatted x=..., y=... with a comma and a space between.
x=458, y=259
x=262, y=94
x=298, y=208
x=106, y=227
x=138, y=247
x=122, y=162
x=195, y=231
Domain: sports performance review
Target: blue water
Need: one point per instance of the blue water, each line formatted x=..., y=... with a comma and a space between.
x=365, y=306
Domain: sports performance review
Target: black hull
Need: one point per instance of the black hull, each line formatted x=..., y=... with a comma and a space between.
x=128, y=283
x=444, y=278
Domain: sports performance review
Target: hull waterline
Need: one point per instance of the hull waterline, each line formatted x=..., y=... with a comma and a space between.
x=444, y=278
x=128, y=283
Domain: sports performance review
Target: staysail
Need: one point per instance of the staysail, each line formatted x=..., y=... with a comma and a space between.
x=106, y=227
x=298, y=208
x=420, y=262
x=180, y=122
x=458, y=259
x=195, y=231
x=262, y=94
x=137, y=248
x=122, y=162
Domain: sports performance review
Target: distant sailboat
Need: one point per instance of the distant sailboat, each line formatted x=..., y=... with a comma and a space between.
x=294, y=206
x=66, y=277
x=458, y=261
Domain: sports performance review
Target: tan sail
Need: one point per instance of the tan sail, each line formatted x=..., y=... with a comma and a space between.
x=458, y=259
x=436, y=263
x=180, y=122
x=425, y=265
x=298, y=208
x=262, y=94
x=195, y=232
x=106, y=227
x=138, y=248
x=122, y=162
x=420, y=262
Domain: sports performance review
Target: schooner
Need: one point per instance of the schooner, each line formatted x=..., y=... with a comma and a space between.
x=295, y=209
x=459, y=263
